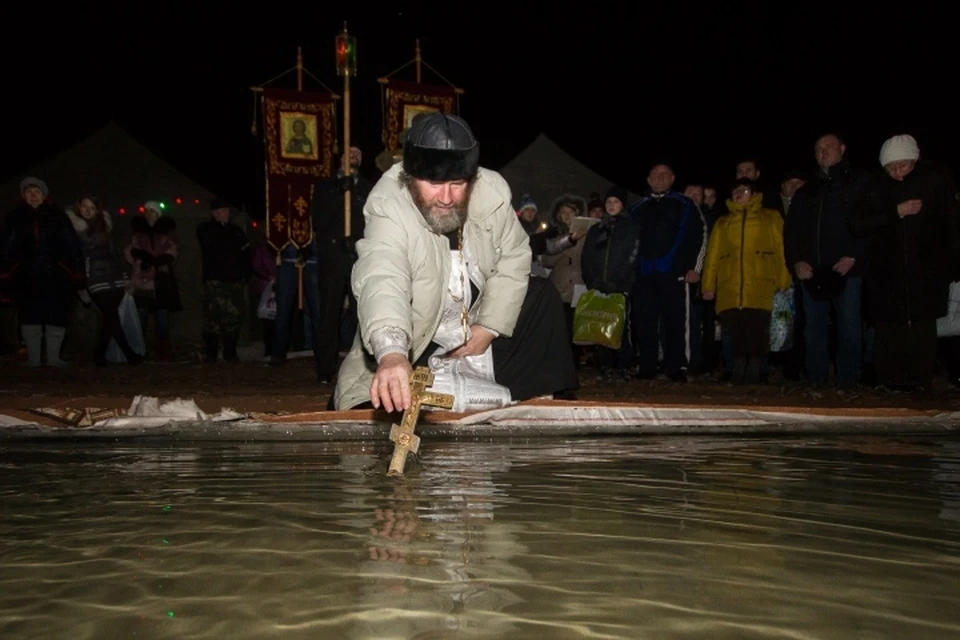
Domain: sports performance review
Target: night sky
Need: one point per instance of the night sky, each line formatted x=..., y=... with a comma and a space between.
x=617, y=85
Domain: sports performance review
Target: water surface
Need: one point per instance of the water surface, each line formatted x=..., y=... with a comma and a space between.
x=558, y=538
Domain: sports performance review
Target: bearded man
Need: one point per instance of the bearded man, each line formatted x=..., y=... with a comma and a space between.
x=444, y=269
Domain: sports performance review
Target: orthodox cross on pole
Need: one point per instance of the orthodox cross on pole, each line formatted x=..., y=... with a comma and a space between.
x=346, y=47
x=402, y=435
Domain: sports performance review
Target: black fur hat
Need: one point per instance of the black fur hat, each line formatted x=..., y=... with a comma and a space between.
x=440, y=147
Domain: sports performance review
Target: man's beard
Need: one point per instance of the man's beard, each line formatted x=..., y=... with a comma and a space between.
x=441, y=220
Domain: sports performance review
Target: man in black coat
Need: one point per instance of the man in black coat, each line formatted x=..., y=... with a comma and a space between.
x=337, y=256
x=824, y=254
x=227, y=265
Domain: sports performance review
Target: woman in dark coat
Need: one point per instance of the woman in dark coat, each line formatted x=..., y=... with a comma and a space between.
x=911, y=216
x=152, y=253
x=42, y=265
x=107, y=279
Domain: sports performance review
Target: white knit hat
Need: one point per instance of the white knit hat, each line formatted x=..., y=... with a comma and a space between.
x=902, y=147
x=153, y=205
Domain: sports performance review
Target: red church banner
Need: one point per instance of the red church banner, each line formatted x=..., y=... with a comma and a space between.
x=405, y=100
x=299, y=140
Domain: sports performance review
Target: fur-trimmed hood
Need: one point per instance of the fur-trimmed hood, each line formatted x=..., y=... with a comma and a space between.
x=162, y=225
x=81, y=226
x=577, y=202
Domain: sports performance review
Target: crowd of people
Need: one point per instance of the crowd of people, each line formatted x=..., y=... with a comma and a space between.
x=443, y=266
x=868, y=258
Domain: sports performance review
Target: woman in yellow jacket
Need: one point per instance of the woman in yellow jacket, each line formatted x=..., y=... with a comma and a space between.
x=745, y=267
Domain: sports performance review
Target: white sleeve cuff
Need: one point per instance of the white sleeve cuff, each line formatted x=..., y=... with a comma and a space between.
x=496, y=334
x=389, y=340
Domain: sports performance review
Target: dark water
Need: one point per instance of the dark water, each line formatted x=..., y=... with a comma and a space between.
x=587, y=538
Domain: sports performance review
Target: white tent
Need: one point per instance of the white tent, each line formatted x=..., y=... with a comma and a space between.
x=545, y=171
x=124, y=174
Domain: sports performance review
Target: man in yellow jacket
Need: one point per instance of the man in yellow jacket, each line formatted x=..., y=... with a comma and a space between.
x=745, y=267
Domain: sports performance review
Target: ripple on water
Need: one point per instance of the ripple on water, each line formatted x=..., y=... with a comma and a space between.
x=562, y=538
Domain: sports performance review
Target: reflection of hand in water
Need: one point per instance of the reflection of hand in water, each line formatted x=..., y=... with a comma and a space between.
x=396, y=528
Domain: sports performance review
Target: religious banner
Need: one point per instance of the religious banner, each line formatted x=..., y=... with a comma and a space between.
x=406, y=100
x=299, y=140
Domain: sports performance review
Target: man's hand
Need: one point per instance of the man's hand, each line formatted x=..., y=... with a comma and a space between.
x=708, y=295
x=803, y=270
x=479, y=340
x=692, y=277
x=844, y=265
x=391, y=383
x=84, y=296
x=909, y=207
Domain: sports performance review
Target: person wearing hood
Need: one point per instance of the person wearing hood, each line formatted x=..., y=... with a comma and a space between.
x=910, y=214
x=41, y=266
x=745, y=267
x=227, y=266
x=564, y=267
x=608, y=265
x=153, y=252
x=107, y=279
x=545, y=239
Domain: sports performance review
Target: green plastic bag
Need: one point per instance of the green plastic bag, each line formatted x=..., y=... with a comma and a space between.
x=599, y=319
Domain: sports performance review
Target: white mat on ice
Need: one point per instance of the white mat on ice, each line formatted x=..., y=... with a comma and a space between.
x=148, y=411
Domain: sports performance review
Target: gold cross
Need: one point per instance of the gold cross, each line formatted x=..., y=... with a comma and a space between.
x=279, y=221
x=402, y=435
x=301, y=205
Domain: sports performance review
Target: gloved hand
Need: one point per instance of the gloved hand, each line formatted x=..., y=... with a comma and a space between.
x=345, y=183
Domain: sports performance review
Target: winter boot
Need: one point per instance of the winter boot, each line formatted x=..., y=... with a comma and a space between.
x=32, y=334
x=230, y=347
x=739, y=370
x=211, y=346
x=54, y=342
x=752, y=373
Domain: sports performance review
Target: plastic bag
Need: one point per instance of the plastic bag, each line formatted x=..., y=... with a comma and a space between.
x=267, y=309
x=781, y=321
x=949, y=325
x=130, y=322
x=599, y=319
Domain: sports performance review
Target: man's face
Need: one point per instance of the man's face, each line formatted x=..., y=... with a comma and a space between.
x=900, y=169
x=528, y=214
x=442, y=204
x=828, y=151
x=299, y=128
x=710, y=197
x=596, y=212
x=660, y=179
x=613, y=206
x=695, y=193
x=356, y=157
x=33, y=196
x=789, y=187
x=748, y=170
x=222, y=215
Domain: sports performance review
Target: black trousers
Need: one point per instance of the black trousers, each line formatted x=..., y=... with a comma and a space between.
x=333, y=289
x=906, y=354
x=661, y=300
x=749, y=330
x=108, y=302
x=535, y=360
